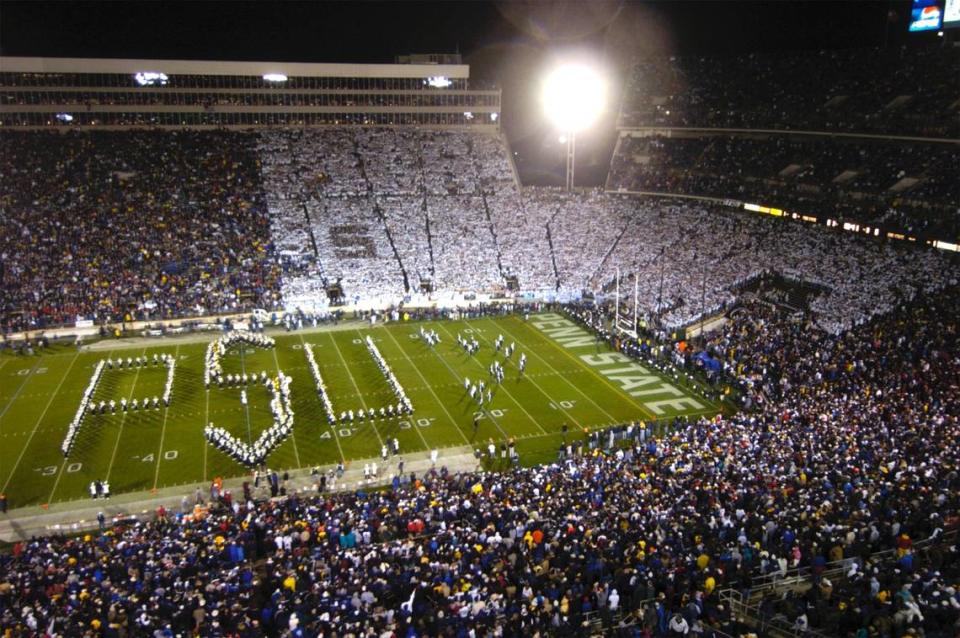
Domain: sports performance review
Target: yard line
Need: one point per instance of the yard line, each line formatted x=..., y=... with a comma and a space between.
x=123, y=420
x=206, y=421
x=26, y=378
x=560, y=407
x=354, y=382
x=429, y=387
x=501, y=386
x=414, y=425
x=37, y=424
x=336, y=437
x=246, y=406
x=293, y=436
x=163, y=430
x=573, y=385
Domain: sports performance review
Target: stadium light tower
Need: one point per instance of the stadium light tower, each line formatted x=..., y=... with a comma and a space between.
x=573, y=98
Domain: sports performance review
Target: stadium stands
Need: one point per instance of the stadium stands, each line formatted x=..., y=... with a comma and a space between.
x=863, y=136
x=897, y=91
x=712, y=252
x=843, y=468
x=906, y=187
x=108, y=225
x=356, y=209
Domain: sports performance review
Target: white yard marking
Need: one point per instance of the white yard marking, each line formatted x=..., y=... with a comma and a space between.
x=37, y=424
x=354, y=382
x=502, y=386
x=293, y=435
x=430, y=388
x=19, y=389
x=163, y=432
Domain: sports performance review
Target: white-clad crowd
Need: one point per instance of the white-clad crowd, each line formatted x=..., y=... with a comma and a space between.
x=380, y=211
x=706, y=255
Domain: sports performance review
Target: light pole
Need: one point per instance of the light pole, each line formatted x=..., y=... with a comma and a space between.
x=573, y=98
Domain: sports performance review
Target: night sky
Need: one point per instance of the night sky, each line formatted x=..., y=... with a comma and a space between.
x=509, y=44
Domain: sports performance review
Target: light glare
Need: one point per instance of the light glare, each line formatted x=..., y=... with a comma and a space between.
x=573, y=97
x=150, y=78
x=439, y=82
x=275, y=77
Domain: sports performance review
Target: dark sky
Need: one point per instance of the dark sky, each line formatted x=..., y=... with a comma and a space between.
x=508, y=43
x=376, y=31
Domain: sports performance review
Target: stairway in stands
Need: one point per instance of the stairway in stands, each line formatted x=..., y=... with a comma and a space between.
x=486, y=208
x=371, y=197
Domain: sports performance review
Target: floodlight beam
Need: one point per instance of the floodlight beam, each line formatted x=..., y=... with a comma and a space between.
x=573, y=98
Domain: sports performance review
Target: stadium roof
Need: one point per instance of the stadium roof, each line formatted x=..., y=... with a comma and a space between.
x=205, y=67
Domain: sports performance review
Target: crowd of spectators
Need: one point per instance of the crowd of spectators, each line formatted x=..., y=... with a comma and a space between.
x=92, y=99
x=131, y=225
x=850, y=453
x=904, y=187
x=443, y=208
x=899, y=91
x=379, y=214
x=691, y=260
x=386, y=209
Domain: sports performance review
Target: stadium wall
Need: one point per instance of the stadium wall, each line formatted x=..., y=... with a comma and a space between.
x=650, y=131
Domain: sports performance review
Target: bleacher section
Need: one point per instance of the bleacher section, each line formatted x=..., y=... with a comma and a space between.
x=898, y=91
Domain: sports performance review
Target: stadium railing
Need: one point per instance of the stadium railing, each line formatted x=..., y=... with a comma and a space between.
x=746, y=603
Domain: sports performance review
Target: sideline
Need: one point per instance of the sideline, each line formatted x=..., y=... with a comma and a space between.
x=66, y=517
x=207, y=336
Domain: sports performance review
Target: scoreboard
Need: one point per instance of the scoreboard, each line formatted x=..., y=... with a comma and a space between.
x=933, y=15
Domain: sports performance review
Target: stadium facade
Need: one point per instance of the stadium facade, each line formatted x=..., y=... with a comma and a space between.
x=80, y=92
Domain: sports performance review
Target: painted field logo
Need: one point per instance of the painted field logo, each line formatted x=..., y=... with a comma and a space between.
x=636, y=380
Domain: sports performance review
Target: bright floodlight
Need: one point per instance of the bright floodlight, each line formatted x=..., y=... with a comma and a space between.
x=438, y=82
x=275, y=77
x=573, y=97
x=150, y=78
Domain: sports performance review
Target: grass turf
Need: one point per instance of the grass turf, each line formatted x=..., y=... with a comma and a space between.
x=161, y=448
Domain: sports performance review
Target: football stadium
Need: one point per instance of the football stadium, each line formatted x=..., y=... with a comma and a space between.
x=620, y=320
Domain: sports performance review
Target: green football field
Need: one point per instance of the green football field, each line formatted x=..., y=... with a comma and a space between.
x=569, y=380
